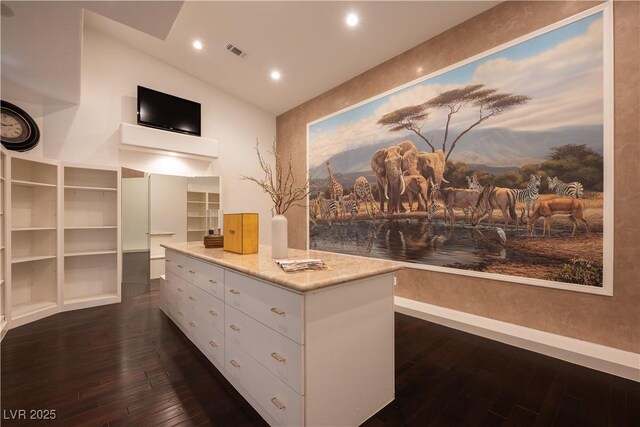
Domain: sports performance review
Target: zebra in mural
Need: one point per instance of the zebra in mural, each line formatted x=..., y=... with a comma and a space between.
x=474, y=184
x=530, y=194
x=362, y=191
x=328, y=208
x=350, y=205
x=572, y=189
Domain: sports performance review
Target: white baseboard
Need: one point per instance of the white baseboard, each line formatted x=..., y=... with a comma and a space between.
x=611, y=360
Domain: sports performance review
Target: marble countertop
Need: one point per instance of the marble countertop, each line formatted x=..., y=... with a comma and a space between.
x=342, y=268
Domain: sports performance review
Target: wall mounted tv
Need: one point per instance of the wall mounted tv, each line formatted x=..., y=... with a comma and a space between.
x=168, y=112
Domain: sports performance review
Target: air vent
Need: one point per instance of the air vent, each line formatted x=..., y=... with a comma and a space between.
x=238, y=52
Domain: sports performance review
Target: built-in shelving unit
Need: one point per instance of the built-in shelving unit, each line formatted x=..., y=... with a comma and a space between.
x=34, y=239
x=3, y=251
x=92, y=266
x=201, y=205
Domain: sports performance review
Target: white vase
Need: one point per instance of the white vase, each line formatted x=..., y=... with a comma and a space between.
x=279, y=238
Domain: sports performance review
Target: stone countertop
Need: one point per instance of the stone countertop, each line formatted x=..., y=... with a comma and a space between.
x=342, y=268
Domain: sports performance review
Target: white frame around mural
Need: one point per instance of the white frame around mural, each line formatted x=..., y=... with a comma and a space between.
x=608, y=152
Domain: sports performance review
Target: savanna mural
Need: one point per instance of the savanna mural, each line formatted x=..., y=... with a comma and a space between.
x=495, y=166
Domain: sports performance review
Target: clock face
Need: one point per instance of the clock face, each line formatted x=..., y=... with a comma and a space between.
x=18, y=130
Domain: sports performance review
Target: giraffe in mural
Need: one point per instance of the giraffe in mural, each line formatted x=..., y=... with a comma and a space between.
x=362, y=191
x=336, y=188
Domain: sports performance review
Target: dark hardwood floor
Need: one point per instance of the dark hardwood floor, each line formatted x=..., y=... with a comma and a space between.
x=126, y=364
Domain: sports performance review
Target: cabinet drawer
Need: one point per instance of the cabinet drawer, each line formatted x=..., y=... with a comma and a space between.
x=176, y=263
x=279, y=354
x=180, y=312
x=207, y=338
x=277, y=308
x=207, y=277
x=208, y=308
x=280, y=401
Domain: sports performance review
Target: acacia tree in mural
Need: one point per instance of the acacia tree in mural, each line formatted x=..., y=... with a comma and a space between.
x=489, y=103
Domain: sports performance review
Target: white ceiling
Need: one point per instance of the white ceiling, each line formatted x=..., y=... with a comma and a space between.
x=307, y=41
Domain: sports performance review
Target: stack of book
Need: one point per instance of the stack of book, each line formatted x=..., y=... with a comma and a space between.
x=293, y=265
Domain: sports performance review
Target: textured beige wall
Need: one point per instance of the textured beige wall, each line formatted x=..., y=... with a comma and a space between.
x=612, y=321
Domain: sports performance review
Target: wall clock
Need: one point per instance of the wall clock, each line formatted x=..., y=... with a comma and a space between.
x=19, y=130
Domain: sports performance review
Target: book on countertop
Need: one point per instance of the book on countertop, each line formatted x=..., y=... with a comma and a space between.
x=308, y=264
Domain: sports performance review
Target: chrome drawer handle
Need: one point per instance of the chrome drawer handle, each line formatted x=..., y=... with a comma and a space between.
x=180, y=290
x=278, y=357
x=235, y=328
x=233, y=291
x=192, y=272
x=278, y=404
x=167, y=260
x=192, y=298
x=180, y=266
x=213, y=281
x=213, y=313
x=277, y=311
x=213, y=343
x=192, y=324
x=180, y=313
x=234, y=363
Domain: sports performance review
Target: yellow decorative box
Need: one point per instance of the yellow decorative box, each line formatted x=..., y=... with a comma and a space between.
x=241, y=233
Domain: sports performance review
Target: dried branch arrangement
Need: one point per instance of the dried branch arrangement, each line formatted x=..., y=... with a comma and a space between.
x=278, y=182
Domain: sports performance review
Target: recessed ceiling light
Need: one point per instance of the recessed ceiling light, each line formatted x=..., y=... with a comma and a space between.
x=197, y=44
x=352, y=19
x=275, y=75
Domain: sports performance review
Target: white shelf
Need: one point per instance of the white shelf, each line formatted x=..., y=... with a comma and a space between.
x=193, y=230
x=196, y=202
x=196, y=216
x=79, y=187
x=90, y=298
x=140, y=138
x=32, y=228
x=92, y=227
x=90, y=253
x=31, y=184
x=30, y=307
x=18, y=260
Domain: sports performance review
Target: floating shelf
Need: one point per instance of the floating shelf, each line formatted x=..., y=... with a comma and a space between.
x=140, y=138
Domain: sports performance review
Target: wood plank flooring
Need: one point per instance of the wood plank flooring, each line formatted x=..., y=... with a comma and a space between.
x=127, y=364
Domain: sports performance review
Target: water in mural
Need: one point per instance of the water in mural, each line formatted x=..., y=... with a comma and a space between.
x=469, y=168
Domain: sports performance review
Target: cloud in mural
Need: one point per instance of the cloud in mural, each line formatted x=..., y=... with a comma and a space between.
x=553, y=71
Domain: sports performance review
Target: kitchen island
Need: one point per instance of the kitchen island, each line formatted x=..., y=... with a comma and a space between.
x=308, y=348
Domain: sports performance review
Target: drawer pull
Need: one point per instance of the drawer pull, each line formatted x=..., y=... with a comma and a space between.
x=180, y=290
x=213, y=281
x=234, y=363
x=192, y=272
x=167, y=260
x=278, y=404
x=278, y=357
x=192, y=298
x=192, y=324
x=180, y=266
x=213, y=343
x=233, y=291
x=235, y=328
x=213, y=313
x=180, y=313
x=277, y=311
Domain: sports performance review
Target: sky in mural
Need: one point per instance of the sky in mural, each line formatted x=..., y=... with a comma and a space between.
x=553, y=69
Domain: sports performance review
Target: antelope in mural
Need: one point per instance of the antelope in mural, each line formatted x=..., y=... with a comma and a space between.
x=574, y=208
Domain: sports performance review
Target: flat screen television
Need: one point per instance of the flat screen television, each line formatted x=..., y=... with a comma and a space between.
x=168, y=112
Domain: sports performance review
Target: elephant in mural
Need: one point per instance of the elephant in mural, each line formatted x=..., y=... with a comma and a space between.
x=417, y=188
x=431, y=166
x=387, y=166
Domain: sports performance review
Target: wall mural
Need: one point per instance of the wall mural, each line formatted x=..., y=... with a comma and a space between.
x=494, y=167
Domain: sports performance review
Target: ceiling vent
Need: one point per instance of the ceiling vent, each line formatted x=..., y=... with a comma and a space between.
x=238, y=52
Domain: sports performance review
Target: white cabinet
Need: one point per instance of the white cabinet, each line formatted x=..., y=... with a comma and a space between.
x=92, y=256
x=323, y=357
x=203, y=206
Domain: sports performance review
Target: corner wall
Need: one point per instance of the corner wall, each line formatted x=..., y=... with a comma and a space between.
x=610, y=321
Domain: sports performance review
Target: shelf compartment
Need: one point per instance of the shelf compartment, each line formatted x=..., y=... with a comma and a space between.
x=90, y=276
x=33, y=244
x=196, y=197
x=33, y=287
x=78, y=240
x=33, y=207
x=90, y=208
x=31, y=172
x=83, y=178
